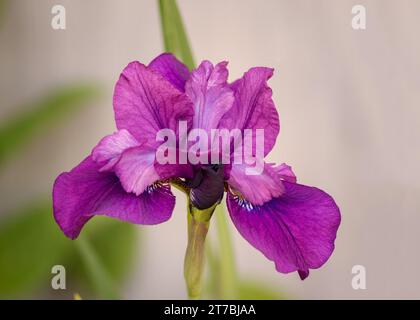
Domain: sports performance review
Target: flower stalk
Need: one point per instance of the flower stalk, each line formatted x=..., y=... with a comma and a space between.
x=198, y=226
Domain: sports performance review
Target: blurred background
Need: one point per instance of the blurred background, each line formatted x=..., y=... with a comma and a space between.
x=349, y=110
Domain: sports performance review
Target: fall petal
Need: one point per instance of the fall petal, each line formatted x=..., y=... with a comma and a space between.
x=256, y=188
x=296, y=230
x=83, y=192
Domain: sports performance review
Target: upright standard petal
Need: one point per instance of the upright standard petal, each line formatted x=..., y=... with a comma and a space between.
x=254, y=107
x=145, y=102
x=80, y=194
x=171, y=69
x=258, y=188
x=296, y=230
x=210, y=94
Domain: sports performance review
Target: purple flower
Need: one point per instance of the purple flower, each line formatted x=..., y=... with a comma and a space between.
x=291, y=224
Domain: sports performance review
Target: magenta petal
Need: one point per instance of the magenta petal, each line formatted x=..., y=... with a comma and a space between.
x=285, y=172
x=297, y=230
x=210, y=94
x=136, y=168
x=145, y=102
x=108, y=151
x=80, y=194
x=171, y=69
x=257, y=189
x=254, y=107
x=176, y=170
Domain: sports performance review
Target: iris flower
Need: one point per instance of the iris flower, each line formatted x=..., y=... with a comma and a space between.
x=292, y=224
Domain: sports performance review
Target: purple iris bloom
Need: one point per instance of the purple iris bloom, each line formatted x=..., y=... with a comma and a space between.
x=291, y=224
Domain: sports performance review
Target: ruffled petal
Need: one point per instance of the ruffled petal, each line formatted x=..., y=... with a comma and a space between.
x=145, y=102
x=285, y=172
x=108, y=151
x=254, y=107
x=171, y=69
x=296, y=230
x=136, y=168
x=83, y=192
x=210, y=94
x=258, y=188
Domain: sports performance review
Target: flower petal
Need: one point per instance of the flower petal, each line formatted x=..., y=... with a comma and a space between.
x=108, y=150
x=285, y=172
x=254, y=107
x=210, y=94
x=145, y=102
x=178, y=169
x=257, y=189
x=297, y=230
x=136, y=168
x=83, y=192
x=171, y=69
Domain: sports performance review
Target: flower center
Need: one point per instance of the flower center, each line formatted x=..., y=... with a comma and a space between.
x=207, y=186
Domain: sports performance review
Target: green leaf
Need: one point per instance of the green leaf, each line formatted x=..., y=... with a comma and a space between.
x=253, y=290
x=114, y=245
x=174, y=35
x=98, y=274
x=2, y=9
x=30, y=245
x=42, y=114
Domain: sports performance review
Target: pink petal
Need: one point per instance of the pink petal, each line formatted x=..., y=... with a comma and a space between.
x=257, y=189
x=108, y=151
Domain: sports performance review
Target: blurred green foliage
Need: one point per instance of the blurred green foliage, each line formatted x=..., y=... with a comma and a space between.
x=2, y=6
x=253, y=290
x=31, y=243
x=29, y=246
x=106, y=250
x=41, y=115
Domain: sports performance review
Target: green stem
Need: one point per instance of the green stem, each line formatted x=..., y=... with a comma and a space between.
x=228, y=279
x=198, y=226
x=101, y=281
x=212, y=288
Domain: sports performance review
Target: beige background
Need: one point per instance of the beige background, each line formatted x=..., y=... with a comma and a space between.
x=348, y=103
